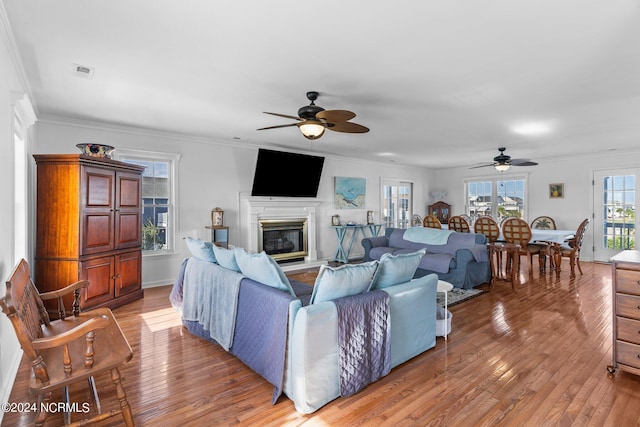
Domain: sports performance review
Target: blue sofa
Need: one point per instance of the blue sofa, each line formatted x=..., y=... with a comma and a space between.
x=458, y=258
x=290, y=338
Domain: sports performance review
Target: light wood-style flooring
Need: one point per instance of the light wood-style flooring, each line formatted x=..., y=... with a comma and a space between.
x=535, y=358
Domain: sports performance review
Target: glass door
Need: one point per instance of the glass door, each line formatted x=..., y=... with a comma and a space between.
x=615, y=205
x=397, y=201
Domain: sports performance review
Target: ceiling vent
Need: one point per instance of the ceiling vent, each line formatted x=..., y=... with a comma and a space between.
x=83, y=71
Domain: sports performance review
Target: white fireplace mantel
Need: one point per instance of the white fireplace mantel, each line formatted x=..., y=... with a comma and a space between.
x=261, y=208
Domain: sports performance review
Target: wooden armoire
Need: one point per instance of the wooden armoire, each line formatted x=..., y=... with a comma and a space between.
x=88, y=226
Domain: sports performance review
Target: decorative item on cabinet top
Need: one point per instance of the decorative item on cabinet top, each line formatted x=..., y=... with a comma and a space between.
x=96, y=150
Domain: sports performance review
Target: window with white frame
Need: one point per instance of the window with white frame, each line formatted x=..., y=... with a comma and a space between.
x=499, y=198
x=23, y=118
x=158, y=198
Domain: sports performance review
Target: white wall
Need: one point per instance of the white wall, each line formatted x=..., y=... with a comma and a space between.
x=576, y=174
x=214, y=173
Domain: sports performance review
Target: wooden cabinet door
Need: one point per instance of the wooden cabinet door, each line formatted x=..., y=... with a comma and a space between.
x=100, y=272
x=97, y=207
x=128, y=272
x=128, y=210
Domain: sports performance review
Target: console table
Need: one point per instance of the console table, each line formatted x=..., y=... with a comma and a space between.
x=342, y=254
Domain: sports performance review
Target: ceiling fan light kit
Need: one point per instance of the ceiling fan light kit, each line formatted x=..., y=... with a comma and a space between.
x=311, y=129
x=314, y=120
x=502, y=162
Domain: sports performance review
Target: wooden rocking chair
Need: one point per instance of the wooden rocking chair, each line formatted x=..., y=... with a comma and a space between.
x=69, y=350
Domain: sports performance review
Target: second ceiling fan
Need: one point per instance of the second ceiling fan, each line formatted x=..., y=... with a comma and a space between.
x=502, y=162
x=313, y=120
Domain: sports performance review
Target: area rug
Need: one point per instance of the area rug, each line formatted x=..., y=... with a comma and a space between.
x=457, y=295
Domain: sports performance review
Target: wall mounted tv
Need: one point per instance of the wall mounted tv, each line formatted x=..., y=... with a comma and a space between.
x=281, y=174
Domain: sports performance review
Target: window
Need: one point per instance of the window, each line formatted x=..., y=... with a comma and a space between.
x=158, y=199
x=397, y=202
x=23, y=118
x=498, y=198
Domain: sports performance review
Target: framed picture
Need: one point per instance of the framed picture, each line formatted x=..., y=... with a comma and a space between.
x=370, y=219
x=350, y=193
x=335, y=220
x=556, y=191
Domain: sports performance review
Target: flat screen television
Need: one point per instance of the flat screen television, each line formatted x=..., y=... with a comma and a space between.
x=282, y=174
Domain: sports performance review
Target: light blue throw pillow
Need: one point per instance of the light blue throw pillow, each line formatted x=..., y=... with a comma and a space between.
x=337, y=282
x=263, y=269
x=396, y=269
x=201, y=249
x=226, y=258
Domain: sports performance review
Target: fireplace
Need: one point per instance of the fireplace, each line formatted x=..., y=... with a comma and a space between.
x=284, y=239
x=256, y=211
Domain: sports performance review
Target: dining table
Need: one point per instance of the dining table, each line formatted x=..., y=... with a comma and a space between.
x=553, y=239
x=551, y=236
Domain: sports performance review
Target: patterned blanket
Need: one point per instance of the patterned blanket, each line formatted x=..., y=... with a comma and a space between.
x=364, y=340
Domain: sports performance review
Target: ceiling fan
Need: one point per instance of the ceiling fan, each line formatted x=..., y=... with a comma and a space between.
x=313, y=120
x=503, y=162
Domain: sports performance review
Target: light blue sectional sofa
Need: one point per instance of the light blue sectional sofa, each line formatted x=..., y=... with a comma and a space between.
x=458, y=258
x=312, y=376
x=289, y=332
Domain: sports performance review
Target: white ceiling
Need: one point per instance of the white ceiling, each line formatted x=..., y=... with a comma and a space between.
x=440, y=83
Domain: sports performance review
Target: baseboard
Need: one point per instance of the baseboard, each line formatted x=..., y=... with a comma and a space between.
x=156, y=284
x=5, y=393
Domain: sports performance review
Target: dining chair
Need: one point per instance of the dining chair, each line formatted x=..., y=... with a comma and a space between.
x=459, y=224
x=69, y=350
x=543, y=223
x=516, y=230
x=487, y=226
x=571, y=250
x=431, y=221
x=467, y=218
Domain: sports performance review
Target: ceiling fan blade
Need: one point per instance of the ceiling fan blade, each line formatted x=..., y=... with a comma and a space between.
x=522, y=162
x=283, y=115
x=347, y=127
x=482, y=166
x=334, y=116
x=279, y=126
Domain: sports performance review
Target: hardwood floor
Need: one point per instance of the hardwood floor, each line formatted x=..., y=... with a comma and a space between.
x=537, y=357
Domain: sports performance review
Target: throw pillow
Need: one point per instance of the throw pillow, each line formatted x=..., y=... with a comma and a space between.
x=337, y=282
x=201, y=249
x=226, y=258
x=263, y=269
x=396, y=269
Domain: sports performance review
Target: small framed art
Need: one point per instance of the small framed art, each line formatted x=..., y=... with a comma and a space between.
x=556, y=191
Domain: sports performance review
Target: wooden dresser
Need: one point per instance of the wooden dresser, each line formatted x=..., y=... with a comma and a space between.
x=88, y=226
x=626, y=312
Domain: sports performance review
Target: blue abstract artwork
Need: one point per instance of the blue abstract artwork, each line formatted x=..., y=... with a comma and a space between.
x=350, y=193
